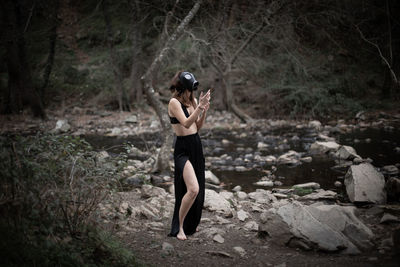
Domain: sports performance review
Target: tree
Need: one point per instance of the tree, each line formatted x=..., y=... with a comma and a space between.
x=20, y=91
x=162, y=162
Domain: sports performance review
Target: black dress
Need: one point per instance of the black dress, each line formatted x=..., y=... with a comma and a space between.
x=188, y=147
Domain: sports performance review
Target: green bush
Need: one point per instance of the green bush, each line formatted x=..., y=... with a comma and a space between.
x=50, y=190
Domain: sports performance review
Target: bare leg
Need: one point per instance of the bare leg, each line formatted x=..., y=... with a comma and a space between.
x=192, y=187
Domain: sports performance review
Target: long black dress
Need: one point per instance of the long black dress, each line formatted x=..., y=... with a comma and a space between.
x=188, y=147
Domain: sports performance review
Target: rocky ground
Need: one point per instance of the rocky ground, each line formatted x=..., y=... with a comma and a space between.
x=302, y=225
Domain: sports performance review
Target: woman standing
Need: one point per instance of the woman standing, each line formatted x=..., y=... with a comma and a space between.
x=187, y=117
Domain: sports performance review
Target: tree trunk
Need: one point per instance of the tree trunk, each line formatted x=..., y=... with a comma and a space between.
x=162, y=162
x=50, y=58
x=123, y=100
x=20, y=87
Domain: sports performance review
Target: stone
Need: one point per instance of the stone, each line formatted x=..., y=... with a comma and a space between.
x=270, y=160
x=240, y=168
x=320, y=194
x=242, y=195
x=311, y=185
x=148, y=191
x=306, y=159
x=220, y=253
x=214, y=187
x=338, y=184
x=365, y=184
x=221, y=220
x=237, y=188
x=167, y=248
x=315, y=124
x=262, y=196
x=137, y=179
x=262, y=146
x=115, y=131
x=211, y=178
x=131, y=119
x=346, y=153
x=240, y=251
x=324, y=147
x=358, y=160
x=215, y=202
x=265, y=183
x=326, y=227
x=279, y=195
x=390, y=170
x=289, y=158
x=123, y=208
x=389, y=218
x=218, y=238
x=242, y=215
x=62, y=126
x=251, y=226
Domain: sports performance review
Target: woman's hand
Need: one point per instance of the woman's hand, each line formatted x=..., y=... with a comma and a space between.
x=204, y=100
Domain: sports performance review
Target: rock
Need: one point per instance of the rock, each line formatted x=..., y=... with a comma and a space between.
x=279, y=195
x=214, y=187
x=390, y=170
x=324, y=147
x=338, y=184
x=102, y=156
x=242, y=195
x=270, y=160
x=393, y=188
x=218, y=238
x=240, y=168
x=289, y=158
x=365, y=184
x=167, y=248
x=211, y=178
x=137, y=179
x=242, y=215
x=219, y=253
x=311, y=185
x=237, y=188
x=148, y=191
x=240, y=251
x=115, y=131
x=397, y=150
x=251, y=226
x=306, y=159
x=320, y=194
x=360, y=115
x=221, y=220
x=131, y=119
x=346, y=153
x=326, y=227
x=315, y=124
x=123, y=208
x=389, y=218
x=265, y=183
x=215, y=202
x=358, y=160
x=262, y=196
x=262, y=146
x=62, y=126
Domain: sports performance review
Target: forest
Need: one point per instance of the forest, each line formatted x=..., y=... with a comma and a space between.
x=303, y=93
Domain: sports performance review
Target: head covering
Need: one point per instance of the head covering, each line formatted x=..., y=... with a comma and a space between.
x=188, y=81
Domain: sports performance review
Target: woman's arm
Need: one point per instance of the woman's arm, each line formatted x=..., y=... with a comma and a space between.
x=200, y=120
x=177, y=112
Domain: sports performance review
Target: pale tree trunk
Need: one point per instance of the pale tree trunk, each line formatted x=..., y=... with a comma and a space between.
x=123, y=101
x=162, y=162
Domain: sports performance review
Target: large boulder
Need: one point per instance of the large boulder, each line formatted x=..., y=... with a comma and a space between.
x=323, y=227
x=365, y=184
x=324, y=147
x=216, y=202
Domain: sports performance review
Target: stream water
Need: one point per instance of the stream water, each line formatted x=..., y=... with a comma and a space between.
x=377, y=144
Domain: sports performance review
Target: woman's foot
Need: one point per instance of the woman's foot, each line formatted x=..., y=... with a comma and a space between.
x=181, y=235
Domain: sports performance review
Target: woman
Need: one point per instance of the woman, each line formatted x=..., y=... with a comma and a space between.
x=187, y=117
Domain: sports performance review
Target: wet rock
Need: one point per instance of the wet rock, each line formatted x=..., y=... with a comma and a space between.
x=390, y=170
x=365, y=184
x=324, y=147
x=393, y=188
x=346, y=153
x=311, y=185
x=240, y=251
x=242, y=215
x=389, y=218
x=215, y=202
x=62, y=126
x=211, y=178
x=327, y=227
x=219, y=239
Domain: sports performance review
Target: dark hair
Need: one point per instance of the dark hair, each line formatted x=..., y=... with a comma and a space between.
x=176, y=83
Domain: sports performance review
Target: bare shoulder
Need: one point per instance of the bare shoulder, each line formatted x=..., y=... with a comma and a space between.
x=173, y=101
